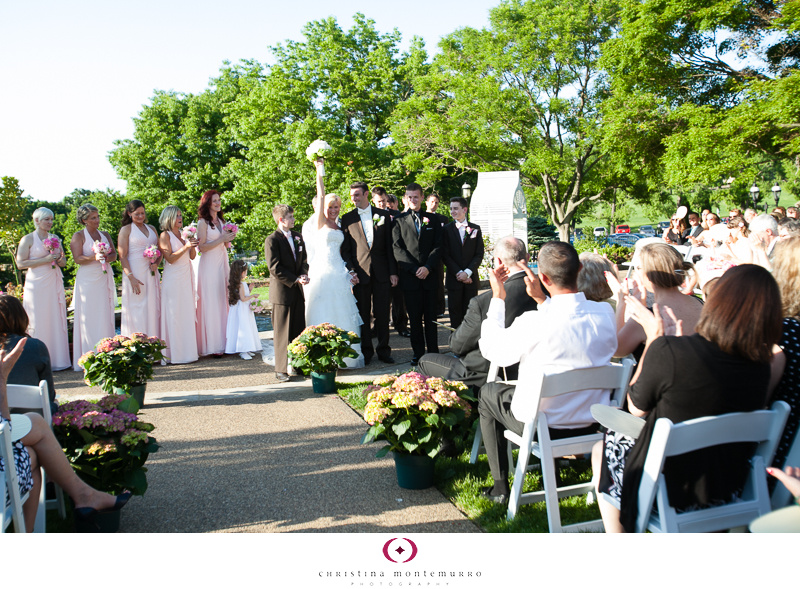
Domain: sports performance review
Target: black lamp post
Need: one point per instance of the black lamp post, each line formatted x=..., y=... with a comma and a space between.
x=754, y=194
x=466, y=191
x=776, y=192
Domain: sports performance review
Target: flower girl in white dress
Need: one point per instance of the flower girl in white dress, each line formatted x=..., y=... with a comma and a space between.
x=242, y=333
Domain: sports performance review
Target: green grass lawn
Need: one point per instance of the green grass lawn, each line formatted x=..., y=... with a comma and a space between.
x=461, y=482
x=262, y=292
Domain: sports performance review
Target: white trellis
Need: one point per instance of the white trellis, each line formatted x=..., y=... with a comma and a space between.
x=498, y=205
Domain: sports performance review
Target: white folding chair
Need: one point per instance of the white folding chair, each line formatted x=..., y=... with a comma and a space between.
x=614, y=377
x=36, y=399
x=670, y=439
x=11, y=507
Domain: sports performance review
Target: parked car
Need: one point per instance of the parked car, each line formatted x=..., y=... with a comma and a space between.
x=626, y=239
x=663, y=225
x=647, y=230
x=622, y=229
x=599, y=232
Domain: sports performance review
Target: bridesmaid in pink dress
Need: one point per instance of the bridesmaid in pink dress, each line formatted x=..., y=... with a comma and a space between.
x=212, y=276
x=43, y=298
x=95, y=295
x=141, y=289
x=178, y=311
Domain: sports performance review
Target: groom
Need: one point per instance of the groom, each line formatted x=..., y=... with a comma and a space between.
x=367, y=251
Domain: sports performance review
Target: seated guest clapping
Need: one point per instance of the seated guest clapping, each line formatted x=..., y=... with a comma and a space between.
x=567, y=332
x=592, y=278
x=661, y=271
x=723, y=368
x=468, y=364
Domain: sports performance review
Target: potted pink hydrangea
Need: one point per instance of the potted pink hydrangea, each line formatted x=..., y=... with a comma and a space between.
x=123, y=364
x=411, y=413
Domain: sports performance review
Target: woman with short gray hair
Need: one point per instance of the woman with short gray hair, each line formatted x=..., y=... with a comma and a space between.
x=42, y=254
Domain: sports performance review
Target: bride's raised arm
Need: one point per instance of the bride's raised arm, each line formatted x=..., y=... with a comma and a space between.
x=319, y=210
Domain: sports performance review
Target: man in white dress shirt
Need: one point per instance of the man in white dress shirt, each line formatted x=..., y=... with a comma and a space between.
x=565, y=333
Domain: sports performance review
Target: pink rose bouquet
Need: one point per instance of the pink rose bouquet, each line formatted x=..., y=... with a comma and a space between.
x=52, y=245
x=232, y=228
x=257, y=305
x=152, y=253
x=102, y=248
x=189, y=232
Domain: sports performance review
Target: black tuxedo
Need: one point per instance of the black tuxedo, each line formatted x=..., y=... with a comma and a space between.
x=440, y=300
x=470, y=366
x=413, y=251
x=459, y=256
x=373, y=266
x=285, y=293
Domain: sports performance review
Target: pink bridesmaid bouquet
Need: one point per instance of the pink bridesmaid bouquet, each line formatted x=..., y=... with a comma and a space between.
x=152, y=253
x=189, y=232
x=102, y=248
x=52, y=244
x=233, y=228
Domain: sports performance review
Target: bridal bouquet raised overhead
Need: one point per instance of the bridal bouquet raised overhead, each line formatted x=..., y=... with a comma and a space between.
x=318, y=149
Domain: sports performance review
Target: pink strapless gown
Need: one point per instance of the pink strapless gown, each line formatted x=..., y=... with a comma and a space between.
x=212, y=297
x=94, y=298
x=46, y=306
x=178, y=311
x=141, y=313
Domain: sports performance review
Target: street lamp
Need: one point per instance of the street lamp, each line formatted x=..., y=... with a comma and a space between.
x=466, y=191
x=754, y=194
x=776, y=192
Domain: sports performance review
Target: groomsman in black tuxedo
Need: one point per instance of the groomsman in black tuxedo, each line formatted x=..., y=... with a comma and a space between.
x=417, y=240
x=431, y=205
x=399, y=315
x=288, y=271
x=367, y=251
x=462, y=252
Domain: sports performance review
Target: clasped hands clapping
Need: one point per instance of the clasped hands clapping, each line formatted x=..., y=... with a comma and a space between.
x=658, y=322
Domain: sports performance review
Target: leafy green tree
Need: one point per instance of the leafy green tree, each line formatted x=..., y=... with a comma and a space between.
x=704, y=90
x=182, y=142
x=523, y=95
x=12, y=219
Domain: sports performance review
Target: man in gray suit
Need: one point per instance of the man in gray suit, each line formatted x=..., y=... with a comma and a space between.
x=467, y=364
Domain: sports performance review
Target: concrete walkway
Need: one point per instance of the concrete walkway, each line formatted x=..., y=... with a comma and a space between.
x=245, y=457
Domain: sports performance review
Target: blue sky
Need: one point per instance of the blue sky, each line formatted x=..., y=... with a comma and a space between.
x=75, y=73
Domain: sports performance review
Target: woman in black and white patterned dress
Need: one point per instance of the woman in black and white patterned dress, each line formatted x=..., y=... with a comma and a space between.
x=786, y=270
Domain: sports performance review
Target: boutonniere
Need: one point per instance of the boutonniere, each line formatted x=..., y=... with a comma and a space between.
x=377, y=220
x=298, y=243
x=425, y=220
x=467, y=229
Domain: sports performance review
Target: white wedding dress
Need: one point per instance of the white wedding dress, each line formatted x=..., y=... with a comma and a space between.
x=329, y=295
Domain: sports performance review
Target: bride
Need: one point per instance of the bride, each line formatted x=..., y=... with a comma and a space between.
x=329, y=295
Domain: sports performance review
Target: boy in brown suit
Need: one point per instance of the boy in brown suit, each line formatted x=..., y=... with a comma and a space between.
x=286, y=256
